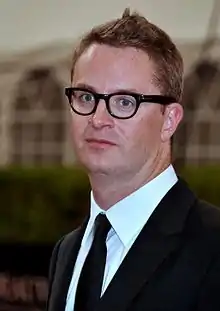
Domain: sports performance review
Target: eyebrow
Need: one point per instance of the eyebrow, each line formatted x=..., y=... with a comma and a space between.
x=85, y=86
x=93, y=89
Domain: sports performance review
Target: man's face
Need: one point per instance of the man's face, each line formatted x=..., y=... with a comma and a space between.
x=134, y=143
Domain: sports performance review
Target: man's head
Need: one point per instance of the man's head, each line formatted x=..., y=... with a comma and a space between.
x=135, y=31
x=128, y=57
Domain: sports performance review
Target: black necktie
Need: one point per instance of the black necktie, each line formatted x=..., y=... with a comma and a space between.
x=89, y=287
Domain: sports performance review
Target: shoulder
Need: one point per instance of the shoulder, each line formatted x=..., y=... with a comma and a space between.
x=60, y=248
x=63, y=244
x=58, y=254
x=204, y=223
x=209, y=215
x=68, y=239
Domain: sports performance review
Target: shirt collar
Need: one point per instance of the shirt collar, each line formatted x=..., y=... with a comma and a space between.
x=128, y=216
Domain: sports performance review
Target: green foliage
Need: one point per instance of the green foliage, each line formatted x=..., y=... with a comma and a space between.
x=40, y=205
x=204, y=181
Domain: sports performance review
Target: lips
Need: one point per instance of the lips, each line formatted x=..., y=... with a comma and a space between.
x=100, y=141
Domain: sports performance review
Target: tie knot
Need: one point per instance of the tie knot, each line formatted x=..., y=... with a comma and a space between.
x=102, y=225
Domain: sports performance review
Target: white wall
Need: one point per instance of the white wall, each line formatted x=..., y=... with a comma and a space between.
x=29, y=23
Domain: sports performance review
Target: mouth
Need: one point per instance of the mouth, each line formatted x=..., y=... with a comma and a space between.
x=100, y=142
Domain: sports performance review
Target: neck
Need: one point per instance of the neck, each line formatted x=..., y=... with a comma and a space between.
x=108, y=189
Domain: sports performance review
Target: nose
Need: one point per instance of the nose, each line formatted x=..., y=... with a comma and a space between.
x=101, y=117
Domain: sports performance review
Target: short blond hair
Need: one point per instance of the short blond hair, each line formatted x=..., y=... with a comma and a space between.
x=134, y=30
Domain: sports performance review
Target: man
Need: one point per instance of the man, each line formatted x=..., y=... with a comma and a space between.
x=148, y=243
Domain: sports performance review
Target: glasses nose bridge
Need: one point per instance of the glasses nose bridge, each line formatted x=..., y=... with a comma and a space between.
x=105, y=97
x=101, y=113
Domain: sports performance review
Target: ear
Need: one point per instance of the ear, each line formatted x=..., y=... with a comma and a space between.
x=172, y=117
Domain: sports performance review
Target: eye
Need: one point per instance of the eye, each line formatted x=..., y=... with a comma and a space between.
x=84, y=97
x=87, y=97
x=124, y=102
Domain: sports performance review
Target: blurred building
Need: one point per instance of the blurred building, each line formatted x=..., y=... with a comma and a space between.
x=198, y=139
x=34, y=113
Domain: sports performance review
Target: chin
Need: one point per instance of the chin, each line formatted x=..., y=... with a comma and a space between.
x=95, y=163
x=97, y=167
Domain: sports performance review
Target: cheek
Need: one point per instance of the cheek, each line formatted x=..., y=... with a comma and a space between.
x=78, y=126
x=145, y=135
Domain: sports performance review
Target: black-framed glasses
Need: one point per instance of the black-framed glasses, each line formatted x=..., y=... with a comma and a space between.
x=120, y=105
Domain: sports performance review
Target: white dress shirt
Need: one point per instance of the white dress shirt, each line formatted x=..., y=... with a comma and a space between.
x=127, y=218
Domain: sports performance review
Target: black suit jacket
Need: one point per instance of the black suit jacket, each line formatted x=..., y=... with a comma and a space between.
x=174, y=264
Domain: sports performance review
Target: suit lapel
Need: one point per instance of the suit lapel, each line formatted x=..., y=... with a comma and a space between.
x=159, y=238
x=64, y=268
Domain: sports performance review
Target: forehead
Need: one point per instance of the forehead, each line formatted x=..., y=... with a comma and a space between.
x=108, y=69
